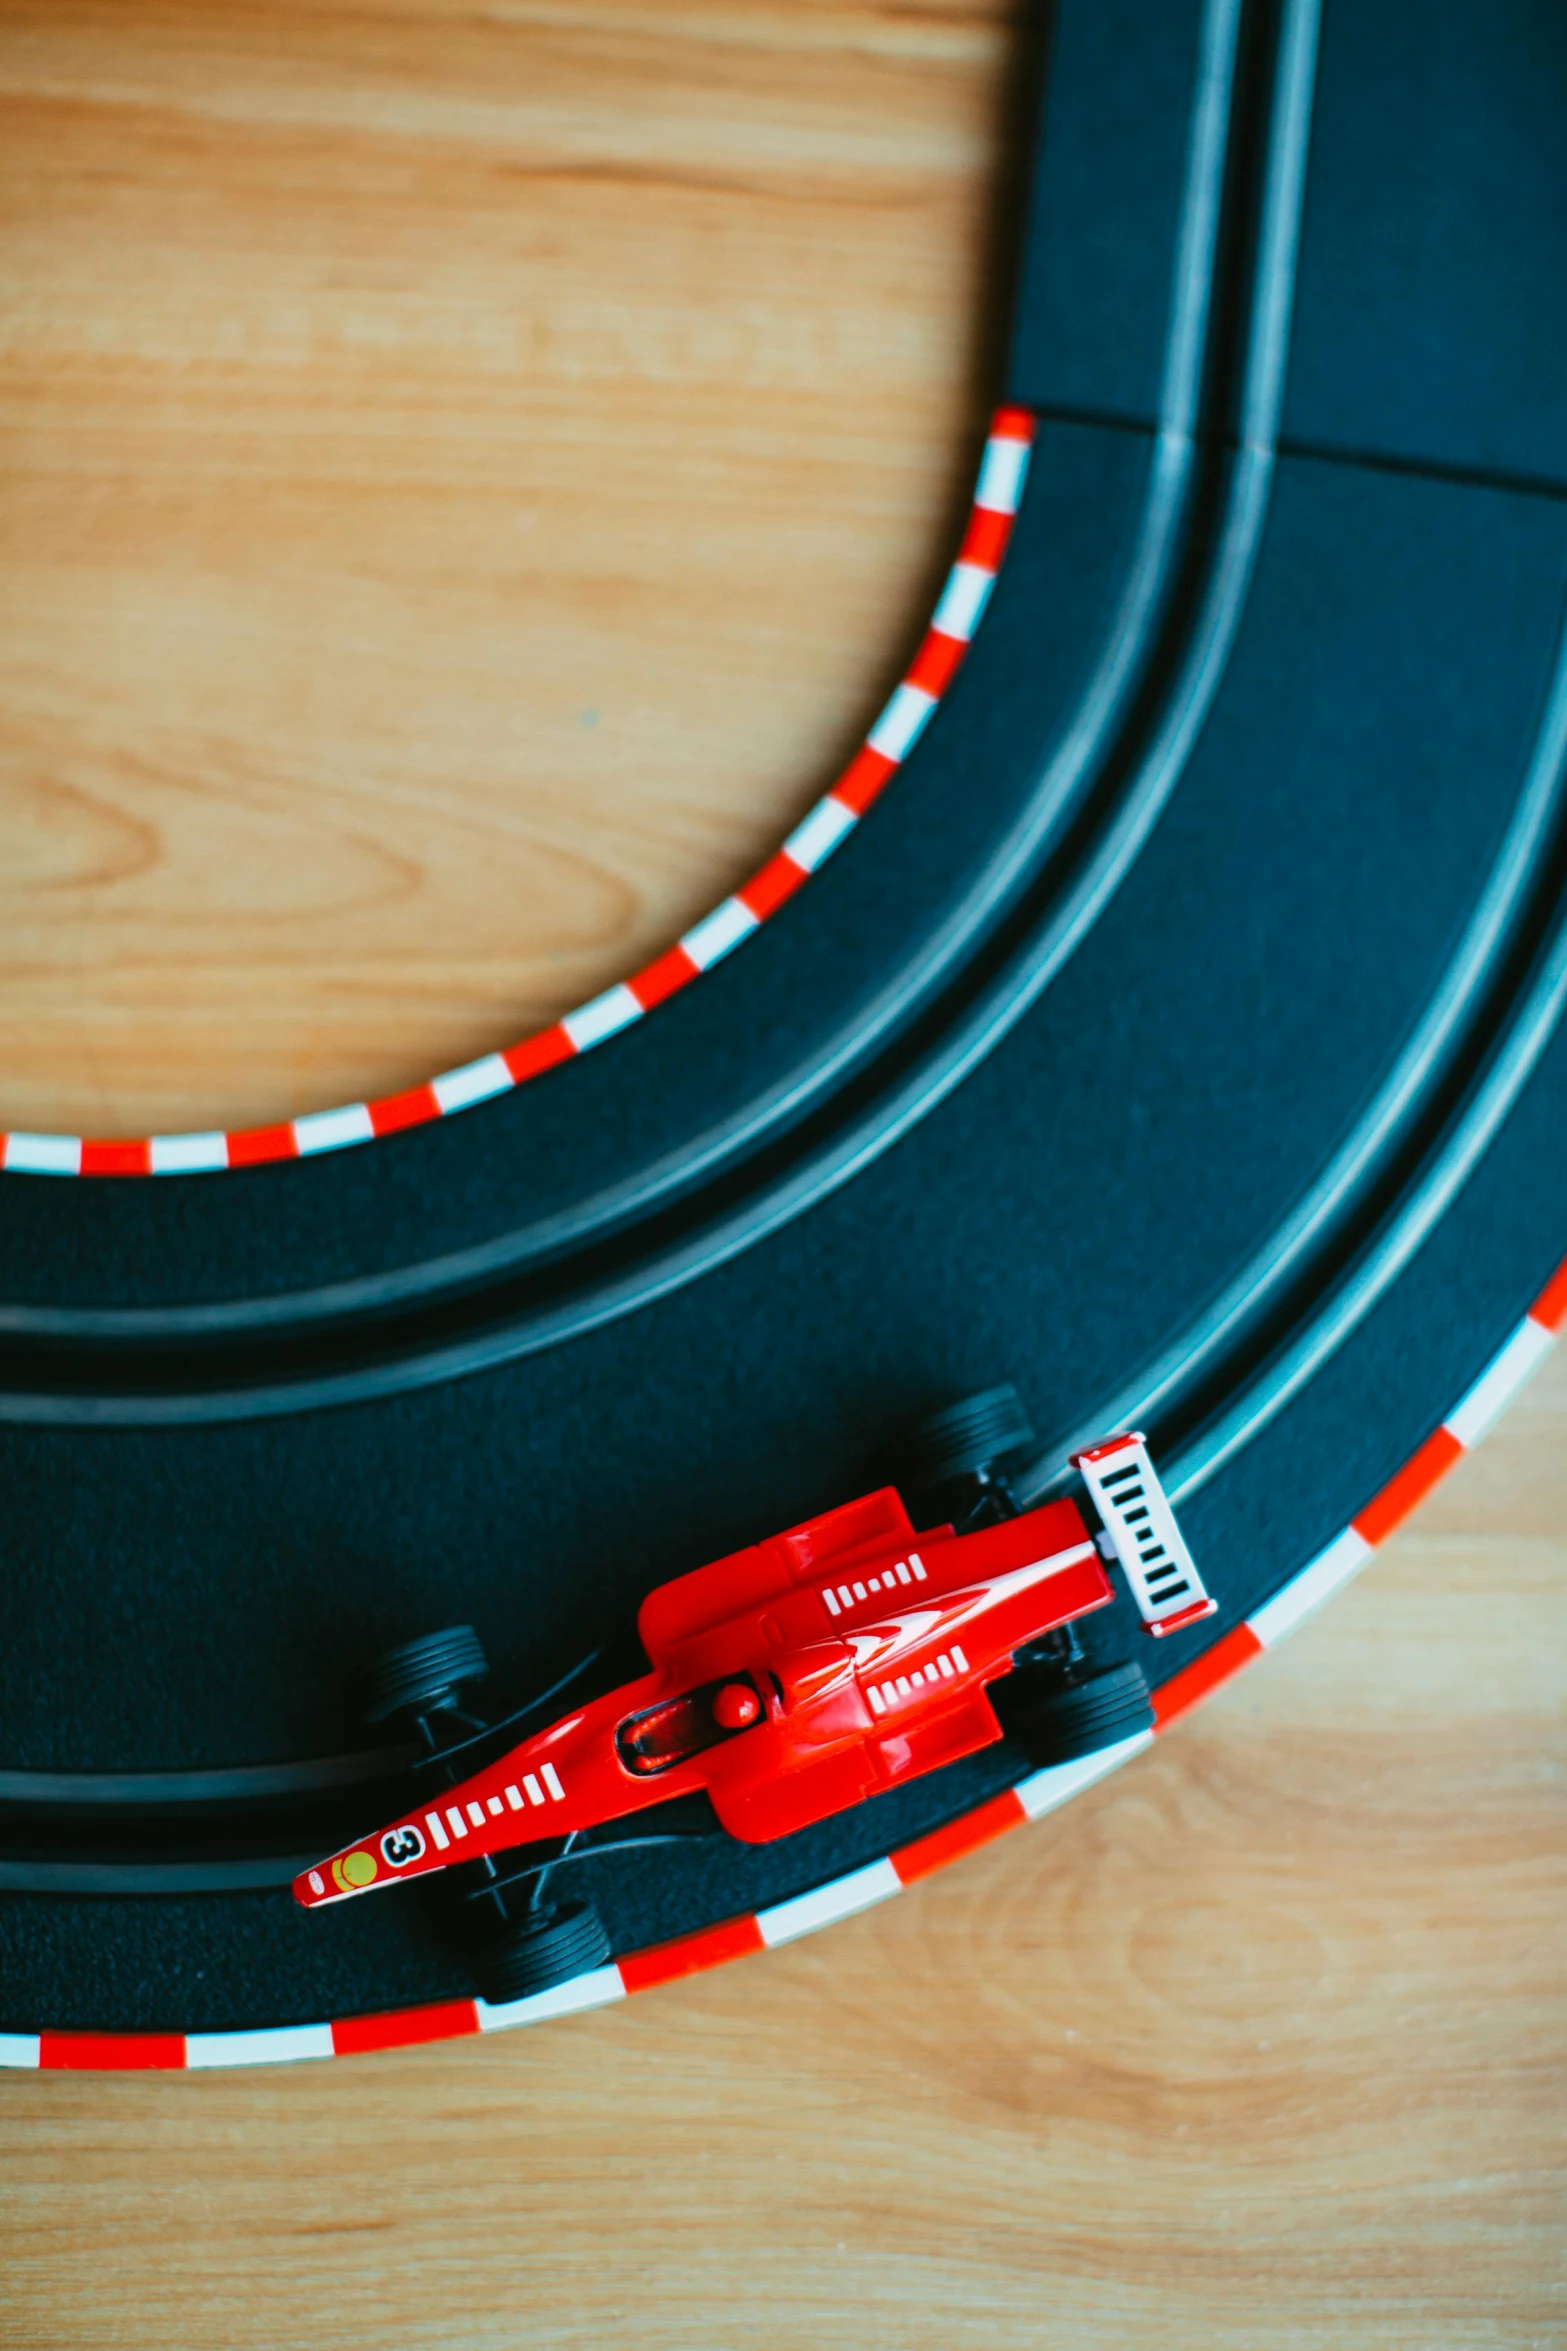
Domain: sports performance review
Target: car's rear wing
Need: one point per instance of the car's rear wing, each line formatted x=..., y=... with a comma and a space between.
x=1140, y=1522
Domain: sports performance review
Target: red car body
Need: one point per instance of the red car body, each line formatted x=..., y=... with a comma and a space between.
x=787, y=1681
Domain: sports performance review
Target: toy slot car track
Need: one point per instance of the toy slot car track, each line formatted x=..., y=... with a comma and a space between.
x=1177, y=1035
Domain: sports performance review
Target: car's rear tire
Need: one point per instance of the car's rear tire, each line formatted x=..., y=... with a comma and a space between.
x=1055, y=1720
x=422, y=1677
x=546, y=1948
x=967, y=1439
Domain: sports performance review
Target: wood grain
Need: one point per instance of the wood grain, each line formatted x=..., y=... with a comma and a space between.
x=1260, y=2047
x=467, y=479
x=468, y=475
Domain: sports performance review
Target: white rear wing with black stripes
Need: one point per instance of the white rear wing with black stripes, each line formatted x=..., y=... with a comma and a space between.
x=1140, y=1522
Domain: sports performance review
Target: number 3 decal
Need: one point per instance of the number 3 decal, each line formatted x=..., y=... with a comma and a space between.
x=400, y=1846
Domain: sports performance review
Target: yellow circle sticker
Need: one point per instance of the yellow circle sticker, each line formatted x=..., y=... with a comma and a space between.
x=354, y=1869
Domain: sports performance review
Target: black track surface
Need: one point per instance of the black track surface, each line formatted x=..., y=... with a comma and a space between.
x=1177, y=1038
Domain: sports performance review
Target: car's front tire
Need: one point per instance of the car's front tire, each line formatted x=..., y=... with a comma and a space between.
x=969, y=1437
x=956, y=1458
x=422, y=1677
x=548, y=1947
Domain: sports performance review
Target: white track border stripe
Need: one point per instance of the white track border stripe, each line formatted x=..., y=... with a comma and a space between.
x=1304, y=1594
x=902, y=723
x=1002, y=469
x=813, y=842
x=593, y=1990
x=186, y=1154
x=602, y=1016
x=1043, y=1791
x=476, y=1081
x=1499, y=1383
x=333, y=1130
x=963, y=599
x=19, y=2050
x=281, y=2044
x=59, y=1155
x=823, y=1906
x=720, y=934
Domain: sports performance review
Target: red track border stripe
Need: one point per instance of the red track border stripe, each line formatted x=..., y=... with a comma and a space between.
x=661, y=978
x=778, y=880
x=404, y=2028
x=985, y=540
x=116, y=1159
x=664, y=1963
x=864, y=779
x=936, y=664
x=966, y=1834
x=1193, y=1683
x=116, y=2052
x=395, y=1111
x=1414, y=1481
x=255, y=1146
x=1012, y=424
x=536, y=1054
x=1550, y=1308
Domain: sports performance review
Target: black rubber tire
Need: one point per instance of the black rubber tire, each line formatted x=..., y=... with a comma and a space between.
x=966, y=1437
x=422, y=1676
x=547, y=1948
x=1055, y=1721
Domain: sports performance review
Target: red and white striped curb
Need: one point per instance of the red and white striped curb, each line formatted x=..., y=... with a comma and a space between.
x=997, y=495
x=1030, y=1799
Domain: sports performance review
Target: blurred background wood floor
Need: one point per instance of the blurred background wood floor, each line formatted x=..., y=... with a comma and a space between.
x=468, y=477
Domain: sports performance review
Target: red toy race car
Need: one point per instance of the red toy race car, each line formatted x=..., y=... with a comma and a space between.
x=792, y=1679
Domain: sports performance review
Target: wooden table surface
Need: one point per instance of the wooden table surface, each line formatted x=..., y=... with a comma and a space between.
x=469, y=475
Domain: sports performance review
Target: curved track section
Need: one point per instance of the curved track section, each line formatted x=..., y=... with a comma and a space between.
x=966, y=593
x=1104, y=550
x=1180, y=1039
x=872, y=1882
x=992, y=969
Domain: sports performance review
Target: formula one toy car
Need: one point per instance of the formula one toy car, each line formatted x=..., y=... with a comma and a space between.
x=793, y=1679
